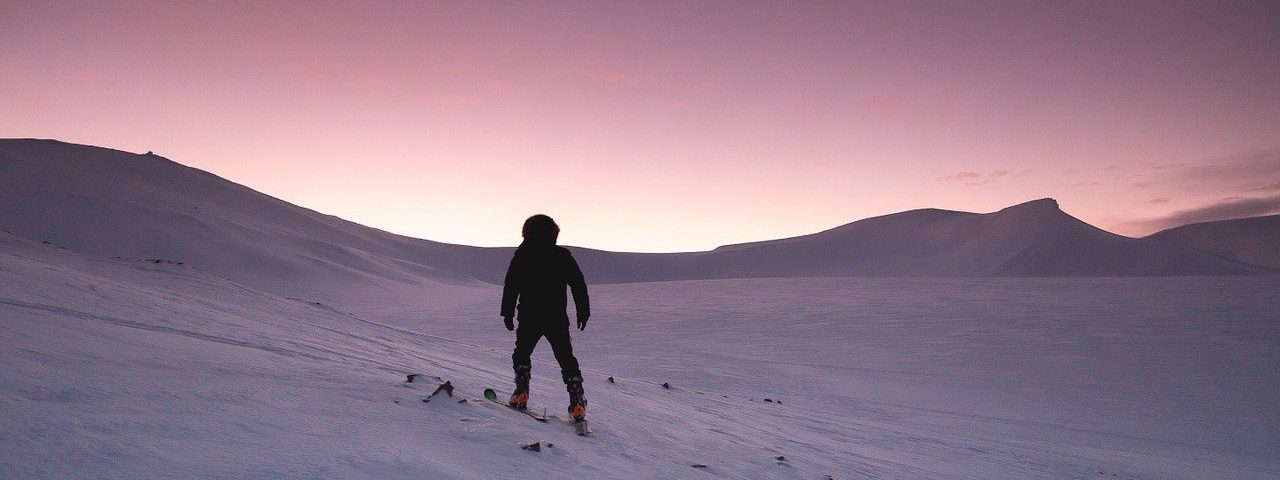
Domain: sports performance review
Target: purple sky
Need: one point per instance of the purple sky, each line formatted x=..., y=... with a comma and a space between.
x=650, y=126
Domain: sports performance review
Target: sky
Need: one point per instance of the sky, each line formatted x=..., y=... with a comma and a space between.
x=671, y=126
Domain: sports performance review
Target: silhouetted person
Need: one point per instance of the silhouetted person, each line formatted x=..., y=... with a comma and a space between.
x=539, y=272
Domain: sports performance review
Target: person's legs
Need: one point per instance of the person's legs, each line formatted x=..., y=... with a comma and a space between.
x=558, y=337
x=526, y=338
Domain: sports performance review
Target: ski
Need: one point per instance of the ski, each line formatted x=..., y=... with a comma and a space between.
x=581, y=427
x=492, y=396
x=541, y=418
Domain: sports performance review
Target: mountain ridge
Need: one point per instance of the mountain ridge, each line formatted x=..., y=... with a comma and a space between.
x=1252, y=240
x=115, y=203
x=1034, y=238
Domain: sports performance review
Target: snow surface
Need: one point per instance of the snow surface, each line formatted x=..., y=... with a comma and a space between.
x=157, y=321
x=119, y=368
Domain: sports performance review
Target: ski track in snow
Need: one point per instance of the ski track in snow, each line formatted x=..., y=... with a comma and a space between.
x=124, y=369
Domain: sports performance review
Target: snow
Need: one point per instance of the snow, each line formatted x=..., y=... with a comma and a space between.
x=1254, y=240
x=1033, y=239
x=113, y=203
x=161, y=322
x=118, y=204
x=117, y=368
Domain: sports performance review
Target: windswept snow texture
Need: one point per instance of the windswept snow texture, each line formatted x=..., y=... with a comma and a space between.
x=1253, y=240
x=108, y=202
x=117, y=368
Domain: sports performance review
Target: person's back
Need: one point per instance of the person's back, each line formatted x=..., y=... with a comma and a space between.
x=538, y=276
x=534, y=293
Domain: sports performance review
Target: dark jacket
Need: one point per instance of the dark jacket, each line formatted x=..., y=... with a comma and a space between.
x=537, y=277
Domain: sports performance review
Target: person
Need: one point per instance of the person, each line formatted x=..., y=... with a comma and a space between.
x=536, y=279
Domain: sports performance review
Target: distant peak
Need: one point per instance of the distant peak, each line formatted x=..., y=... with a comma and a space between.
x=1043, y=204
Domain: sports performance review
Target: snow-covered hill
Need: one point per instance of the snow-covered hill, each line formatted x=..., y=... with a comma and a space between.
x=1253, y=240
x=114, y=203
x=119, y=204
x=1031, y=239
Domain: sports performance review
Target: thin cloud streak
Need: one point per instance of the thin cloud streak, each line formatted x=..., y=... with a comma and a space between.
x=1223, y=210
x=1248, y=171
x=974, y=179
x=1268, y=188
x=960, y=176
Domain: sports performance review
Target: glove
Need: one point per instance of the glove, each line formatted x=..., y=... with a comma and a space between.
x=511, y=325
x=582, y=322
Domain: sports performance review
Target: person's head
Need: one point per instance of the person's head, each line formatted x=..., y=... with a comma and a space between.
x=540, y=229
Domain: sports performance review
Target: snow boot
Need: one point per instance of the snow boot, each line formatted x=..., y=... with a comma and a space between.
x=577, y=399
x=520, y=397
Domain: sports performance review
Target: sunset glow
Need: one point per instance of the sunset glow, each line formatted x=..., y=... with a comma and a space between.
x=671, y=127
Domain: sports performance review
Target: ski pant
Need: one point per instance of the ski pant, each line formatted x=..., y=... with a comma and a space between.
x=557, y=333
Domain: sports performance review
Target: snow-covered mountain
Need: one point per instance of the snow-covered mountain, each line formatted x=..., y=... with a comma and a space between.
x=1254, y=240
x=118, y=204
x=114, y=203
x=1031, y=239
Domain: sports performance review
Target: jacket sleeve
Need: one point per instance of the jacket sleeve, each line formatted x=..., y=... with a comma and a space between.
x=578, y=285
x=511, y=288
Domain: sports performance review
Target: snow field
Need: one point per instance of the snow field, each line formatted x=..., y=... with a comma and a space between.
x=118, y=368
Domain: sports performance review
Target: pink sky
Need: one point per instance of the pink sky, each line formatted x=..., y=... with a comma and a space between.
x=651, y=126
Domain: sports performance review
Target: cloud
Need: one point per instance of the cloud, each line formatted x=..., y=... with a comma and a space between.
x=973, y=179
x=1251, y=171
x=960, y=176
x=1267, y=188
x=1159, y=200
x=1224, y=209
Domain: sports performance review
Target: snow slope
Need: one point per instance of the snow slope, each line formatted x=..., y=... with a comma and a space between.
x=112, y=203
x=116, y=368
x=1253, y=240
